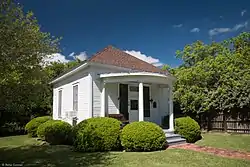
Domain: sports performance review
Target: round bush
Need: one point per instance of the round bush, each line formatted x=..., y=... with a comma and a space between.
x=188, y=128
x=31, y=126
x=55, y=132
x=143, y=136
x=97, y=134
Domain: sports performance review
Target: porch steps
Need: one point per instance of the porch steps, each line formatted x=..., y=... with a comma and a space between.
x=174, y=139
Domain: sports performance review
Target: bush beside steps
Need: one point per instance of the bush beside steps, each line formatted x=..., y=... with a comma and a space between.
x=188, y=128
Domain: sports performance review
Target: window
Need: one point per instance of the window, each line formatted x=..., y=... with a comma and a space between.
x=134, y=89
x=60, y=103
x=133, y=104
x=75, y=98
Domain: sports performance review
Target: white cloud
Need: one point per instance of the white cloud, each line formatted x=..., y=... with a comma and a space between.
x=82, y=56
x=195, y=30
x=58, y=57
x=239, y=26
x=217, y=31
x=178, y=26
x=149, y=59
x=72, y=54
x=243, y=12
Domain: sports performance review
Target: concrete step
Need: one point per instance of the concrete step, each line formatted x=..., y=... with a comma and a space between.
x=173, y=138
x=172, y=135
x=176, y=141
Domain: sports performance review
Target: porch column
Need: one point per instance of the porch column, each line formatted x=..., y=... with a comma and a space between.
x=103, y=101
x=141, y=112
x=171, y=112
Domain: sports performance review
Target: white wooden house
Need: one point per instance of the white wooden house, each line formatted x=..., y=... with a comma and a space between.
x=114, y=82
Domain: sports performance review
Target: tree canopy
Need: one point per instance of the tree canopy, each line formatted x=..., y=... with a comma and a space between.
x=214, y=77
x=24, y=78
x=22, y=48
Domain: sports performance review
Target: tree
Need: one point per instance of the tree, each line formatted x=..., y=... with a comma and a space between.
x=22, y=48
x=214, y=77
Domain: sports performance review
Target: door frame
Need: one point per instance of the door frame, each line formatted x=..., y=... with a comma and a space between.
x=137, y=98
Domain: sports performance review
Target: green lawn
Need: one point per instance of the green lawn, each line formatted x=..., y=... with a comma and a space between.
x=21, y=149
x=224, y=140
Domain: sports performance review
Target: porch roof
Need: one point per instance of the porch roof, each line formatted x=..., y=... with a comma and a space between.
x=145, y=77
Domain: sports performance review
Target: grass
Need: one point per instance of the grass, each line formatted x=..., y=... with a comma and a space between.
x=21, y=149
x=17, y=141
x=225, y=140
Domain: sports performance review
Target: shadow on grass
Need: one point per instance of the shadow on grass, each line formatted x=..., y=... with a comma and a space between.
x=52, y=156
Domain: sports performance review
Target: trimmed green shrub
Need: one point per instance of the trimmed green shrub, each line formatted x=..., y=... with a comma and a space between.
x=32, y=125
x=188, y=128
x=143, y=136
x=97, y=134
x=55, y=132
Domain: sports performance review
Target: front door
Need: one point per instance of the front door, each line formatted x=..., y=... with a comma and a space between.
x=129, y=102
x=133, y=103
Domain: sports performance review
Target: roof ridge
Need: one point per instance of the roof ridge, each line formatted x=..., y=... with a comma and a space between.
x=139, y=59
x=100, y=51
x=117, y=57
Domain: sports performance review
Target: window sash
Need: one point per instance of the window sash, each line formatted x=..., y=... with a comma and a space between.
x=75, y=98
x=60, y=103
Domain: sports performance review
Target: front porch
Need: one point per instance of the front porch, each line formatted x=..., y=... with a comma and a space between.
x=138, y=97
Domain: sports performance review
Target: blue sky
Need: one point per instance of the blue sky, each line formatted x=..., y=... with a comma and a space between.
x=155, y=28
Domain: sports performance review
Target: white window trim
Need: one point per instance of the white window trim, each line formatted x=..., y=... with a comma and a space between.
x=73, y=85
x=60, y=90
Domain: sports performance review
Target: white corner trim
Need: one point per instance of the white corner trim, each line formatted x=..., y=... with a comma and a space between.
x=90, y=95
x=103, y=100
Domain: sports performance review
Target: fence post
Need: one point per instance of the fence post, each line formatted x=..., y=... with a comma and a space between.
x=224, y=121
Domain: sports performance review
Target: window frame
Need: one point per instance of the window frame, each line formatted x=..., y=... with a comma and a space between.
x=75, y=98
x=59, y=112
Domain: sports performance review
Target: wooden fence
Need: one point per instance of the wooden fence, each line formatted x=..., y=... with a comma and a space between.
x=239, y=123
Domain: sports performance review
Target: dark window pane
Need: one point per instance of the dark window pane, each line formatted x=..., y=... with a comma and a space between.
x=133, y=104
x=146, y=102
x=123, y=100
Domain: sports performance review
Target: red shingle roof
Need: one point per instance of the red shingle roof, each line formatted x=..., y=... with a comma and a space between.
x=113, y=56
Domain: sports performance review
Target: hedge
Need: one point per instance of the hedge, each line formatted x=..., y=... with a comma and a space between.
x=143, y=136
x=31, y=126
x=97, y=134
x=55, y=132
x=188, y=128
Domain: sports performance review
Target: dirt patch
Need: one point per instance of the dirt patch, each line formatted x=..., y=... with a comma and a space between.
x=216, y=151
